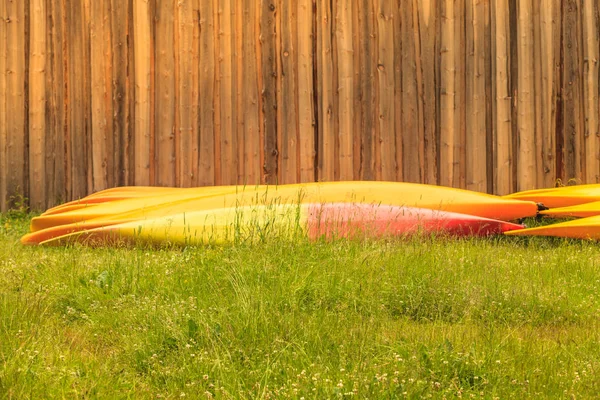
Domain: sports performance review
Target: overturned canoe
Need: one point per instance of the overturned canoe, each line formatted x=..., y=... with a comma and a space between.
x=581, y=210
x=249, y=223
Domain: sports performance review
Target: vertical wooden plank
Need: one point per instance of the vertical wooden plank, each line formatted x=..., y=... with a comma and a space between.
x=229, y=161
x=143, y=135
x=268, y=51
x=526, y=114
x=207, y=72
x=37, y=105
x=475, y=146
x=399, y=128
x=367, y=125
x=17, y=129
x=3, y=103
x=537, y=90
x=385, y=73
x=306, y=133
x=250, y=106
x=447, y=94
x=503, y=183
x=326, y=133
x=56, y=85
x=121, y=92
x=460, y=172
x=590, y=90
x=426, y=71
x=164, y=95
x=195, y=91
x=188, y=143
x=287, y=102
x=413, y=136
x=547, y=91
x=240, y=67
x=101, y=75
x=345, y=54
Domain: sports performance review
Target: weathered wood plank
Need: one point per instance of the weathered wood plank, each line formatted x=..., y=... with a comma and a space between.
x=195, y=93
x=37, y=105
x=268, y=90
x=16, y=126
x=305, y=63
x=287, y=106
x=590, y=90
x=447, y=94
x=369, y=155
x=228, y=137
x=121, y=89
x=187, y=143
x=426, y=73
x=143, y=136
x=547, y=91
x=102, y=150
x=526, y=120
x=386, y=87
x=475, y=145
x=412, y=139
x=164, y=94
x=207, y=112
x=503, y=182
x=345, y=88
x=460, y=168
x=3, y=102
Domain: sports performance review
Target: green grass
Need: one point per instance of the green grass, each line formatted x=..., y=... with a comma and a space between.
x=494, y=318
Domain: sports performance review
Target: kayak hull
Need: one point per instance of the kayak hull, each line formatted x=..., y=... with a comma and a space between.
x=314, y=221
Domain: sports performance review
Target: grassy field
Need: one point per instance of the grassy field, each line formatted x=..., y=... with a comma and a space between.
x=421, y=318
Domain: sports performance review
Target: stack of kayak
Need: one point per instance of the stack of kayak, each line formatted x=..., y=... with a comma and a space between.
x=226, y=214
x=581, y=202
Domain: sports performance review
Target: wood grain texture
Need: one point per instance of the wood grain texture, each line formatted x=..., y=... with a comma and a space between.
x=37, y=104
x=503, y=182
x=475, y=143
x=412, y=138
x=326, y=128
x=102, y=112
x=227, y=96
x=492, y=95
x=143, y=135
x=269, y=75
x=386, y=82
x=590, y=90
x=164, y=93
x=345, y=88
x=287, y=106
x=447, y=94
x=3, y=102
x=548, y=89
x=427, y=11
x=187, y=144
x=207, y=71
x=16, y=127
x=305, y=62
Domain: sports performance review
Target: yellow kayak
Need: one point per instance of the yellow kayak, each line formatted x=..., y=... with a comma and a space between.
x=389, y=193
x=580, y=210
x=583, y=228
x=251, y=223
x=565, y=196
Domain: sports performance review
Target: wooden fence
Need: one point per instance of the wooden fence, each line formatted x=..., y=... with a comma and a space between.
x=490, y=95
